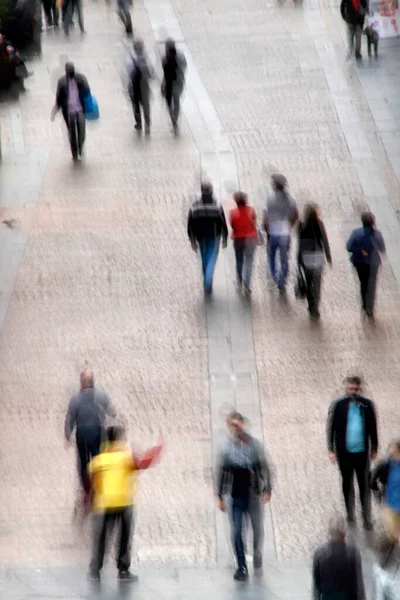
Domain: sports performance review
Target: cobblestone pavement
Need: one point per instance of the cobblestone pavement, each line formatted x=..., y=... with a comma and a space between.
x=98, y=269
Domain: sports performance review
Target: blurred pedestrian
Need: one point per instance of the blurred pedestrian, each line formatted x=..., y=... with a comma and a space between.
x=313, y=247
x=243, y=221
x=174, y=67
x=206, y=226
x=69, y=9
x=114, y=477
x=245, y=475
x=337, y=568
x=86, y=413
x=72, y=89
x=365, y=245
x=353, y=12
x=385, y=482
x=141, y=73
x=51, y=13
x=352, y=440
x=280, y=216
x=123, y=11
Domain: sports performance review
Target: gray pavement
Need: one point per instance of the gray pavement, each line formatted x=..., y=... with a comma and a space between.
x=96, y=267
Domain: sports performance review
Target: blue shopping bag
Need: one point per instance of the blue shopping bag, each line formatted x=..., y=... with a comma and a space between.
x=91, y=108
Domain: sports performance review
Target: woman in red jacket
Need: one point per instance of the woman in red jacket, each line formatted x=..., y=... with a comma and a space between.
x=243, y=221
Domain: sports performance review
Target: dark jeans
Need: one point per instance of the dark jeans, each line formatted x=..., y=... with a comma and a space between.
x=88, y=443
x=173, y=91
x=141, y=102
x=349, y=463
x=368, y=275
x=209, y=248
x=70, y=6
x=241, y=511
x=313, y=279
x=77, y=132
x=51, y=12
x=103, y=525
x=244, y=252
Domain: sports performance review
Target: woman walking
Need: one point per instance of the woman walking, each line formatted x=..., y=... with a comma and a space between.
x=365, y=245
x=243, y=221
x=313, y=247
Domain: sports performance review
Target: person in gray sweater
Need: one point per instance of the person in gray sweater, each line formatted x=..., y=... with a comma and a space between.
x=86, y=413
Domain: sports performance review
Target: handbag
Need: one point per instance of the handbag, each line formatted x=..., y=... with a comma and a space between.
x=91, y=108
x=300, y=288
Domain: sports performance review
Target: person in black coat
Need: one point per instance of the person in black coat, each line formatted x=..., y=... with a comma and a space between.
x=352, y=440
x=353, y=12
x=337, y=568
x=72, y=89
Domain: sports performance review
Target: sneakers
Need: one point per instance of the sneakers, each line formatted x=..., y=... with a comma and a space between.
x=241, y=574
x=127, y=576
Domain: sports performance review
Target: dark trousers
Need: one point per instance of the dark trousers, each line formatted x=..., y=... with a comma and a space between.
x=313, y=279
x=368, y=276
x=88, y=443
x=103, y=525
x=242, y=510
x=70, y=6
x=173, y=91
x=51, y=12
x=349, y=463
x=77, y=132
x=141, y=102
x=244, y=253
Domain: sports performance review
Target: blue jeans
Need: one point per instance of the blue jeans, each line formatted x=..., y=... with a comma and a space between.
x=281, y=243
x=209, y=248
x=239, y=514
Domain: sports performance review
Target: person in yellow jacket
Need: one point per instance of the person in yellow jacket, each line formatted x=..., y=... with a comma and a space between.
x=113, y=475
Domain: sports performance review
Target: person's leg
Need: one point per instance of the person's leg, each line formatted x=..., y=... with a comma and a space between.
x=358, y=36
x=363, y=276
x=238, y=513
x=81, y=131
x=100, y=526
x=239, y=255
x=124, y=551
x=211, y=260
x=371, y=289
x=83, y=458
x=284, y=246
x=176, y=95
x=249, y=250
x=361, y=466
x=350, y=37
x=203, y=253
x=146, y=110
x=68, y=9
x=272, y=249
x=47, y=12
x=136, y=109
x=346, y=468
x=78, y=7
x=317, y=283
x=256, y=513
x=369, y=42
x=308, y=276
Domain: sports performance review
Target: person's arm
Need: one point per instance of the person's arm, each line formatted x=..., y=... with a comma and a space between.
x=295, y=214
x=190, y=231
x=380, y=242
x=224, y=227
x=316, y=584
x=265, y=220
x=325, y=243
x=148, y=458
x=265, y=471
x=373, y=433
x=343, y=10
x=350, y=242
x=70, y=419
x=330, y=429
x=109, y=408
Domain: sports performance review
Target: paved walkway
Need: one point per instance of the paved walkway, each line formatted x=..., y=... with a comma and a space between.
x=98, y=269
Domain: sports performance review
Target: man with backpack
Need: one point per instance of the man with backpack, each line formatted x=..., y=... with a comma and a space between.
x=365, y=244
x=141, y=73
x=86, y=412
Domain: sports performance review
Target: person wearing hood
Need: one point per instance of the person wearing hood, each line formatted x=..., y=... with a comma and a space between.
x=72, y=89
x=141, y=73
x=353, y=12
x=206, y=226
x=174, y=67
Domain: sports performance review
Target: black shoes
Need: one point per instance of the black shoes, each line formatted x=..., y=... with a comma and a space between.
x=241, y=574
x=127, y=576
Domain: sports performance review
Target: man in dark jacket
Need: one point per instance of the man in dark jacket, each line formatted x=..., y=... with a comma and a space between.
x=337, y=569
x=72, y=89
x=206, y=226
x=141, y=74
x=352, y=439
x=244, y=474
x=353, y=12
x=365, y=245
x=86, y=413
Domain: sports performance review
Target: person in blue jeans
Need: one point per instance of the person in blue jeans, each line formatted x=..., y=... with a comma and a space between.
x=245, y=475
x=206, y=226
x=280, y=216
